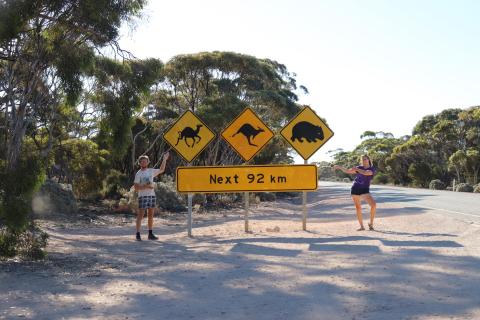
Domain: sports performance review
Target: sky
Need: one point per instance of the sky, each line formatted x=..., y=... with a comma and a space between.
x=368, y=64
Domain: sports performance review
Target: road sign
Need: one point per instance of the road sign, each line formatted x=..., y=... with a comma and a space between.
x=189, y=136
x=306, y=132
x=247, y=178
x=247, y=134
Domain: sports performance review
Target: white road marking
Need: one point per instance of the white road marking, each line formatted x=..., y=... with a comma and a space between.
x=451, y=211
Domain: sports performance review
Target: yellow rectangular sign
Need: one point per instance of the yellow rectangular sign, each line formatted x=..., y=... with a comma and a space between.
x=247, y=178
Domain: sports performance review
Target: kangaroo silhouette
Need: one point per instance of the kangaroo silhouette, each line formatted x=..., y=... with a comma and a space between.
x=306, y=130
x=188, y=132
x=249, y=132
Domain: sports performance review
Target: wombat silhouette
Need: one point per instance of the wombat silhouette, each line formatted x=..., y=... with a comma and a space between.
x=306, y=130
x=190, y=133
x=249, y=132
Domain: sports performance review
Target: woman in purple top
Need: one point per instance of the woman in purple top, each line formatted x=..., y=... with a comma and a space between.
x=361, y=188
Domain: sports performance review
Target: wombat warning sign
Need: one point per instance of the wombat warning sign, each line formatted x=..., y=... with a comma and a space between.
x=306, y=132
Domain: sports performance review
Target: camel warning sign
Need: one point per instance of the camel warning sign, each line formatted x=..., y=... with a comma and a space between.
x=188, y=136
x=247, y=134
x=306, y=132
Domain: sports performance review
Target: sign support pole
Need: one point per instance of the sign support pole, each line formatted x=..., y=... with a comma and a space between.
x=189, y=222
x=304, y=207
x=190, y=218
x=247, y=204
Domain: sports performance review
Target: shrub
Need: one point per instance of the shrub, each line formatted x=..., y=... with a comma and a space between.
x=8, y=244
x=347, y=180
x=28, y=244
x=437, y=185
x=463, y=187
x=380, y=178
x=85, y=164
x=476, y=188
x=267, y=196
x=115, y=184
x=167, y=196
x=17, y=189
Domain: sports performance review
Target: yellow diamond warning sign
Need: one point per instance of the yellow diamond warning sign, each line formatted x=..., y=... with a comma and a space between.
x=306, y=132
x=247, y=134
x=189, y=136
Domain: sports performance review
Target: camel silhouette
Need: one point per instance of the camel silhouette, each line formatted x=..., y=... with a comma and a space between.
x=249, y=132
x=188, y=132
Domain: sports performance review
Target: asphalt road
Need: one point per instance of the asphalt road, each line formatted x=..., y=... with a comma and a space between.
x=459, y=204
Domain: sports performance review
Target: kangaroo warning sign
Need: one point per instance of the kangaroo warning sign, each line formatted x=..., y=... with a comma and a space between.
x=188, y=136
x=247, y=178
x=247, y=134
x=306, y=132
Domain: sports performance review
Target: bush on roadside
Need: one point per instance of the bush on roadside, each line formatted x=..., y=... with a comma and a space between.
x=437, y=185
x=463, y=187
x=115, y=184
x=28, y=244
x=167, y=197
x=476, y=188
x=267, y=196
x=380, y=178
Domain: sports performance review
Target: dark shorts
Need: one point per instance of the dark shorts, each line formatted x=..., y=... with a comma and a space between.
x=146, y=202
x=358, y=190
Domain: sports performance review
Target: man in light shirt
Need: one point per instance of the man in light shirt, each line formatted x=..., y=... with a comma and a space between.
x=146, y=193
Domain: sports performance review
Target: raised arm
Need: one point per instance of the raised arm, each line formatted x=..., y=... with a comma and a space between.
x=347, y=171
x=164, y=163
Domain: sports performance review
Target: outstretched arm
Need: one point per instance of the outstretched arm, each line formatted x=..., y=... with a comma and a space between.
x=365, y=172
x=164, y=163
x=347, y=171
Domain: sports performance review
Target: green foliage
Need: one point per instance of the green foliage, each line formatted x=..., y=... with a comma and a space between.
x=167, y=197
x=380, y=178
x=419, y=173
x=115, y=184
x=8, y=244
x=16, y=191
x=28, y=244
x=120, y=91
x=325, y=171
x=86, y=165
x=437, y=185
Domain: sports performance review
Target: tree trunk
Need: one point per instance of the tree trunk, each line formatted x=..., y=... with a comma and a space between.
x=15, y=143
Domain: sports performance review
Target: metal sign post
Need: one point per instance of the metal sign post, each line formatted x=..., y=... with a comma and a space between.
x=190, y=214
x=247, y=205
x=304, y=208
x=190, y=219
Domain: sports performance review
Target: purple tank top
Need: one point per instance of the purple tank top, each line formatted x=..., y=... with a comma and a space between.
x=362, y=180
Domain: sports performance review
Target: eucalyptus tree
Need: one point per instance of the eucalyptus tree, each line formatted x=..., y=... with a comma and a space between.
x=46, y=47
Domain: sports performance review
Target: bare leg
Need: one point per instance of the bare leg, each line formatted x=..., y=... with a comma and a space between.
x=357, y=200
x=140, y=213
x=373, y=208
x=150, y=212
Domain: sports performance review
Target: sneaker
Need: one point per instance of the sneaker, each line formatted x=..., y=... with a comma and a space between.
x=151, y=236
x=137, y=237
